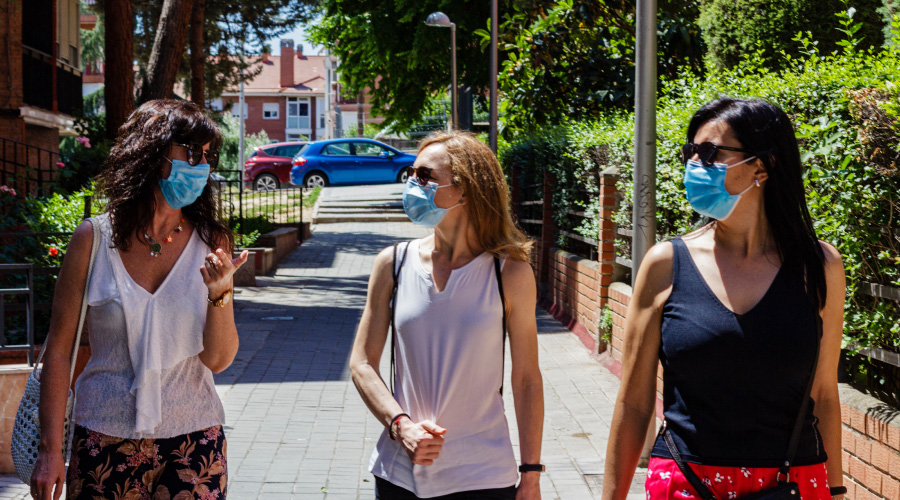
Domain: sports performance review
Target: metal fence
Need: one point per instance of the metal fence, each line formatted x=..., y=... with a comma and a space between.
x=22, y=307
x=278, y=206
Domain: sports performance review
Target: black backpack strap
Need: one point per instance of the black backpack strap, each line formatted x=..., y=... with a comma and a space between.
x=395, y=272
x=497, y=272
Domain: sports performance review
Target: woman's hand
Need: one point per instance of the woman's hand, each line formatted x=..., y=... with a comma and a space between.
x=529, y=486
x=49, y=471
x=422, y=441
x=218, y=270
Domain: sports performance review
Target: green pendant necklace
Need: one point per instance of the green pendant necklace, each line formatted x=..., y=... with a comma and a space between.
x=155, y=246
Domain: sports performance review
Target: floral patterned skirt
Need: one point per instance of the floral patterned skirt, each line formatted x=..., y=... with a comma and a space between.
x=191, y=466
x=665, y=480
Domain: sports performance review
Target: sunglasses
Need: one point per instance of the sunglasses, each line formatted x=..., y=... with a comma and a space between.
x=196, y=153
x=707, y=151
x=422, y=174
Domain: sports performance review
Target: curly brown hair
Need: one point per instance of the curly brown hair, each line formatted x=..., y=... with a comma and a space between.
x=135, y=165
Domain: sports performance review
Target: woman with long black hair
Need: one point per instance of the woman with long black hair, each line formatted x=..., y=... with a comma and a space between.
x=148, y=420
x=746, y=315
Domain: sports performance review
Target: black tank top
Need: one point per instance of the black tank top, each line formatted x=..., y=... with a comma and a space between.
x=733, y=383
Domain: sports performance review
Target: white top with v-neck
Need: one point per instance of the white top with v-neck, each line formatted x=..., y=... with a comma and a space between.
x=449, y=362
x=144, y=378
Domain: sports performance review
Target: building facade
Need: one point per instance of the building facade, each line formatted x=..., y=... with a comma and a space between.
x=39, y=70
x=287, y=100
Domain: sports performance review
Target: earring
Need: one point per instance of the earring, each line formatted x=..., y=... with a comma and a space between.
x=756, y=181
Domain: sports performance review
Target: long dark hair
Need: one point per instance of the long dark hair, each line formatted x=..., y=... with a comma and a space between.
x=767, y=132
x=135, y=166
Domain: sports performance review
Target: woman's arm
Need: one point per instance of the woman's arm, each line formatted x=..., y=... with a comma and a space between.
x=423, y=440
x=636, y=402
x=825, y=385
x=49, y=469
x=220, y=337
x=527, y=383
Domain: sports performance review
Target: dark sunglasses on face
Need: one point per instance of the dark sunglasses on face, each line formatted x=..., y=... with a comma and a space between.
x=422, y=174
x=195, y=155
x=707, y=151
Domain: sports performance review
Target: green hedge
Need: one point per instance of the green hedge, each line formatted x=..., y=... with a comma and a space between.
x=844, y=108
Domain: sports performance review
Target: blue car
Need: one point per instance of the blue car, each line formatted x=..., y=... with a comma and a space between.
x=349, y=161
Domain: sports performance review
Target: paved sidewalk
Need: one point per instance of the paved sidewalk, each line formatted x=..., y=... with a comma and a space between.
x=296, y=427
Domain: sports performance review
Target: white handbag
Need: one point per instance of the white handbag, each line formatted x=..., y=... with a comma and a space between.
x=26, y=435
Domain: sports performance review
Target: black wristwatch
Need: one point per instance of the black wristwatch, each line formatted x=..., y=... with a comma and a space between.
x=837, y=490
x=532, y=468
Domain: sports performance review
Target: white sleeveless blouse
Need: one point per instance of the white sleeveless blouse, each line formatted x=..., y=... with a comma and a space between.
x=144, y=379
x=449, y=368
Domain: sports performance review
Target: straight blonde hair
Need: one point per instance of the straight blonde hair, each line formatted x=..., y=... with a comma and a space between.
x=477, y=173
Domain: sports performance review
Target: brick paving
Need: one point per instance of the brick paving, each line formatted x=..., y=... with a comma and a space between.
x=296, y=427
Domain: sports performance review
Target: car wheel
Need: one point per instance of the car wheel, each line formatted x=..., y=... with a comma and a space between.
x=266, y=182
x=403, y=175
x=315, y=179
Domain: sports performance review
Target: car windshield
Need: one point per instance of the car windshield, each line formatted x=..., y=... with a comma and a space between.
x=303, y=150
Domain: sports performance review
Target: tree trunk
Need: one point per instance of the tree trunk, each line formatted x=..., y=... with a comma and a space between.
x=198, y=82
x=119, y=73
x=168, y=50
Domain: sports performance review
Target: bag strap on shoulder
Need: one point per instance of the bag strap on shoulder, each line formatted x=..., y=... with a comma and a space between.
x=395, y=273
x=499, y=275
x=95, y=243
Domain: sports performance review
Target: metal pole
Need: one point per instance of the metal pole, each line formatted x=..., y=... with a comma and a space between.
x=493, y=112
x=327, y=96
x=453, y=89
x=241, y=131
x=644, y=216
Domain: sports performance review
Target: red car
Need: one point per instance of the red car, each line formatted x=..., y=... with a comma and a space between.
x=270, y=165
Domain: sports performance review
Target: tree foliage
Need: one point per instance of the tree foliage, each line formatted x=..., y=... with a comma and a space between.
x=734, y=28
x=575, y=58
x=386, y=47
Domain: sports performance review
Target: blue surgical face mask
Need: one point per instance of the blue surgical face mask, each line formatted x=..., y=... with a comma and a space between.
x=185, y=183
x=418, y=203
x=705, y=187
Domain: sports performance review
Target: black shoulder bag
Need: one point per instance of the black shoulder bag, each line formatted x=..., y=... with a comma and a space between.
x=785, y=490
x=395, y=268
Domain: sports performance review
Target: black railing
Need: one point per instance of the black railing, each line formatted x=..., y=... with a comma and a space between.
x=278, y=206
x=21, y=309
x=31, y=170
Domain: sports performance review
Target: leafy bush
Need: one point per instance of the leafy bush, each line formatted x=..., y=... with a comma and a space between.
x=732, y=29
x=57, y=213
x=844, y=107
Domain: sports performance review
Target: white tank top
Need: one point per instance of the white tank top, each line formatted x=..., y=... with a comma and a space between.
x=144, y=378
x=449, y=363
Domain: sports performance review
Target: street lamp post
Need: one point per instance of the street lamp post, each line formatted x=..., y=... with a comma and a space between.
x=493, y=109
x=441, y=20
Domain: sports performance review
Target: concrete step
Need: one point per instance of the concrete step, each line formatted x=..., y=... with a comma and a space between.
x=329, y=210
x=369, y=217
x=398, y=204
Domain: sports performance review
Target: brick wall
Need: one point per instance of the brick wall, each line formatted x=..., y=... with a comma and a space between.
x=573, y=289
x=871, y=446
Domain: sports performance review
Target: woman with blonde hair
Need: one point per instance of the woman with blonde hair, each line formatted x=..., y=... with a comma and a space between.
x=448, y=300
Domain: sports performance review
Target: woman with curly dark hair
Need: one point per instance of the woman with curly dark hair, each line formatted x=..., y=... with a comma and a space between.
x=148, y=421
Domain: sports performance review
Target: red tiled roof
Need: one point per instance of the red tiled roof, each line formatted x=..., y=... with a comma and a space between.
x=309, y=77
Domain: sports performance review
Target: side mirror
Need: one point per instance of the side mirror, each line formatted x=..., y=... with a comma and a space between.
x=384, y=154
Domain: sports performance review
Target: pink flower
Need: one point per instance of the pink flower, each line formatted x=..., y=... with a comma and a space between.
x=60, y=164
x=8, y=190
x=84, y=141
